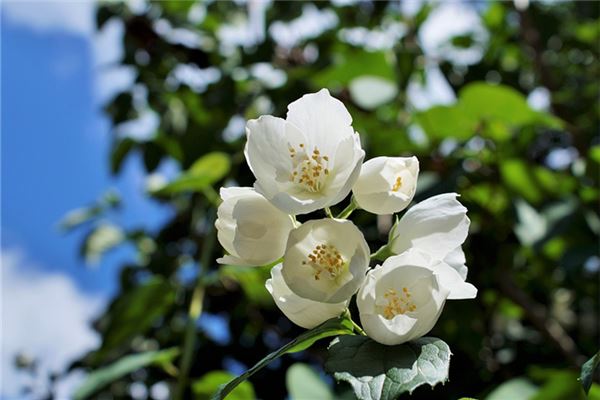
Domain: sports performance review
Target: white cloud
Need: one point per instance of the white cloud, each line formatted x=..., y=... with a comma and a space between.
x=44, y=315
x=71, y=16
x=78, y=18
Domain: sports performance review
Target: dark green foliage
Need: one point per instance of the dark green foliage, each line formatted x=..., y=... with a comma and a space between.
x=534, y=229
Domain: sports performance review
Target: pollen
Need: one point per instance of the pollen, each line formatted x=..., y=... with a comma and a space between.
x=397, y=184
x=326, y=261
x=397, y=303
x=308, y=169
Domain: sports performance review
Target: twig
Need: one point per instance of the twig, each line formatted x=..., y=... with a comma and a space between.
x=539, y=317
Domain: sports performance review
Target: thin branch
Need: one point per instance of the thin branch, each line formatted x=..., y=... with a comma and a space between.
x=539, y=317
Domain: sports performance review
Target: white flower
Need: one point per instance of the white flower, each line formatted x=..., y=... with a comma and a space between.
x=438, y=226
x=326, y=260
x=251, y=229
x=303, y=312
x=309, y=160
x=386, y=185
x=402, y=299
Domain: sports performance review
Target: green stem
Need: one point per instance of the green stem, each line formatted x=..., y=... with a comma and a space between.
x=195, y=310
x=328, y=212
x=348, y=210
x=346, y=314
x=381, y=254
x=358, y=329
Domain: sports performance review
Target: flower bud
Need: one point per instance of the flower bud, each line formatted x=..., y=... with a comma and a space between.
x=386, y=185
x=252, y=230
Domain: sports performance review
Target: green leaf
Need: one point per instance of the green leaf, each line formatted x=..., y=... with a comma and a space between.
x=587, y=372
x=517, y=388
x=121, y=148
x=370, y=92
x=379, y=372
x=206, y=171
x=517, y=176
x=332, y=327
x=441, y=122
x=126, y=365
x=353, y=64
x=100, y=240
x=251, y=280
x=594, y=153
x=496, y=102
x=136, y=310
x=208, y=384
x=303, y=383
x=75, y=218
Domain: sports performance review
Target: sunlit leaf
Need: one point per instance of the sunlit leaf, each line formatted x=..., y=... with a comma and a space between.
x=303, y=383
x=352, y=64
x=517, y=388
x=208, y=384
x=447, y=122
x=100, y=240
x=379, y=372
x=98, y=379
x=203, y=173
x=499, y=102
x=517, y=176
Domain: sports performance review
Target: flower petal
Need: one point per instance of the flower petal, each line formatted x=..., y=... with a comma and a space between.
x=323, y=119
x=437, y=225
x=303, y=312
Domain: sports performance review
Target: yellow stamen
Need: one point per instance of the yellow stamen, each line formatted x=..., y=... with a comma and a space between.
x=397, y=185
x=397, y=303
x=325, y=259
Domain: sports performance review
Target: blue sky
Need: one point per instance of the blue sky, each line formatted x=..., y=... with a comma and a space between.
x=55, y=145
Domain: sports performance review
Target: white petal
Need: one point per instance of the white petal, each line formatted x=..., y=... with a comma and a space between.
x=323, y=119
x=386, y=332
x=347, y=166
x=303, y=312
x=451, y=280
x=457, y=260
x=437, y=225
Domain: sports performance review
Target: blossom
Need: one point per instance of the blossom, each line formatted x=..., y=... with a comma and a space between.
x=251, y=229
x=438, y=226
x=402, y=299
x=386, y=185
x=308, y=161
x=325, y=260
x=303, y=312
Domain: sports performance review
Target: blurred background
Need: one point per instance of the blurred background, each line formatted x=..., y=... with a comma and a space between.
x=120, y=121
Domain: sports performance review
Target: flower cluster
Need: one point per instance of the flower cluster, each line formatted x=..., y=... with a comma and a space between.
x=312, y=160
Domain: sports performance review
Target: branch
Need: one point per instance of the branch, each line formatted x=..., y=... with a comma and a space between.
x=540, y=318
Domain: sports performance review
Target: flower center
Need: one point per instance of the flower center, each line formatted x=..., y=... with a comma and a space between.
x=397, y=303
x=327, y=260
x=397, y=184
x=309, y=170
